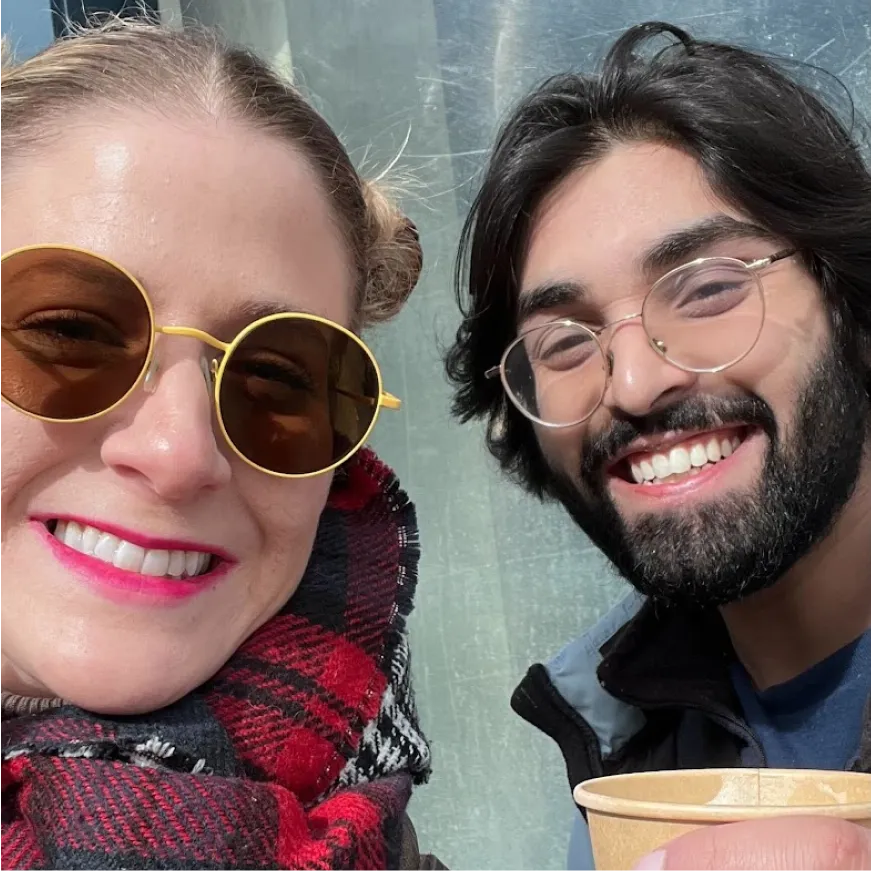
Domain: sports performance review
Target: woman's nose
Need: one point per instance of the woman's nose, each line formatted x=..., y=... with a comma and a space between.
x=169, y=443
x=642, y=381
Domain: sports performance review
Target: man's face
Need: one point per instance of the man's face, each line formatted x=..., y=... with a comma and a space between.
x=700, y=487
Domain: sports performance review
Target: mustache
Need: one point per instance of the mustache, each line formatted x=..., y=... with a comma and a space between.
x=694, y=413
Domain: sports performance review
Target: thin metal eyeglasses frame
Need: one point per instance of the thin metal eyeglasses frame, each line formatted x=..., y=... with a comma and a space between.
x=595, y=332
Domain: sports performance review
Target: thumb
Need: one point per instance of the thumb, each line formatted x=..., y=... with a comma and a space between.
x=799, y=843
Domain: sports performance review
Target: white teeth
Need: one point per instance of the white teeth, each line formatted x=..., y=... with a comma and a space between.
x=698, y=456
x=680, y=459
x=192, y=563
x=73, y=535
x=106, y=547
x=90, y=537
x=712, y=449
x=661, y=466
x=156, y=563
x=176, y=564
x=128, y=556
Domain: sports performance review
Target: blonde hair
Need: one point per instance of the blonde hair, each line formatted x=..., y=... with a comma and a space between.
x=122, y=63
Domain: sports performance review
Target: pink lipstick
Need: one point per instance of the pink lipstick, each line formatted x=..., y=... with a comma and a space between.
x=206, y=565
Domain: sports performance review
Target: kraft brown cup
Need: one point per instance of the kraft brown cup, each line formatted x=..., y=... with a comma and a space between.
x=631, y=815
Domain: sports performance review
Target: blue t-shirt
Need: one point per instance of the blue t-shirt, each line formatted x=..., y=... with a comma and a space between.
x=815, y=719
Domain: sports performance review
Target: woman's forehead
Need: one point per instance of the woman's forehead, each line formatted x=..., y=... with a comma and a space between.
x=206, y=213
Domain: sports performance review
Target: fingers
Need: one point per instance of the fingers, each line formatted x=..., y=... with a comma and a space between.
x=800, y=843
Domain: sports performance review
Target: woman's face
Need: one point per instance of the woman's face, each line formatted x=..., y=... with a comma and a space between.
x=220, y=224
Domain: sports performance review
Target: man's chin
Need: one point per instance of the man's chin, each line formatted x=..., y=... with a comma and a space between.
x=694, y=553
x=753, y=517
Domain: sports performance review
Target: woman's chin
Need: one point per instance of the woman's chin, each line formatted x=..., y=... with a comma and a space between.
x=137, y=701
x=121, y=688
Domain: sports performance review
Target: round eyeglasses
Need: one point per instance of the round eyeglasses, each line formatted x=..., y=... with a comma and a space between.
x=704, y=316
x=296, y=395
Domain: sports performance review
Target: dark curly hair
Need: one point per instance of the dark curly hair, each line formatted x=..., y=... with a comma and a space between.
x=766, y=144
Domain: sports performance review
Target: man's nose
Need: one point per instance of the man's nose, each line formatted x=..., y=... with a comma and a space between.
x=642, y=381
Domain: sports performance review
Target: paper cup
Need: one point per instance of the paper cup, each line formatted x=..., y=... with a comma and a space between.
x=631, y=815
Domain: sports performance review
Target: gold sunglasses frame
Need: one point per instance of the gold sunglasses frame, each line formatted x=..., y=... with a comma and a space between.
x=217, y=368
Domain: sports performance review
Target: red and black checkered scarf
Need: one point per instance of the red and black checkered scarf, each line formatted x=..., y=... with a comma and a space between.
x=300, y=753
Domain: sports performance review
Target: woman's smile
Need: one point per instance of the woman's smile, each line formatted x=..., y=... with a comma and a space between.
x=131, y=567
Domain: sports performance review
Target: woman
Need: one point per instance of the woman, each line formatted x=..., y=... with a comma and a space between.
x=206, y=577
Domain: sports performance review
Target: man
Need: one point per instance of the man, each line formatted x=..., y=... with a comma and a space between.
x=669, y=331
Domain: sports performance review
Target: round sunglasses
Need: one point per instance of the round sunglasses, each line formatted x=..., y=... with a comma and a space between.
x=296, y=395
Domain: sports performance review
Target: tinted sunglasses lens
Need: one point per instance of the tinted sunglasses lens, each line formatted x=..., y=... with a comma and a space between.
x=298, y=396
x=76, y=333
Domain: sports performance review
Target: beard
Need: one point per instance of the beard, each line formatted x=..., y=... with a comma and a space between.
x=724, y=551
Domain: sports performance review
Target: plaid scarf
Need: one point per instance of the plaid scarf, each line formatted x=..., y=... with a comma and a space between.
x=299, y=753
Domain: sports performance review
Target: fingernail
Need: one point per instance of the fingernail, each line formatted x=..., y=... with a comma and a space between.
x=652, y=862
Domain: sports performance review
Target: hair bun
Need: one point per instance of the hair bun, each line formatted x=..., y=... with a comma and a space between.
x=395, y=257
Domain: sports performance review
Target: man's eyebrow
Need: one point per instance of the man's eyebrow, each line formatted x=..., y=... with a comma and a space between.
x=687, y=243
x=549, y=295
x=675, y=249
